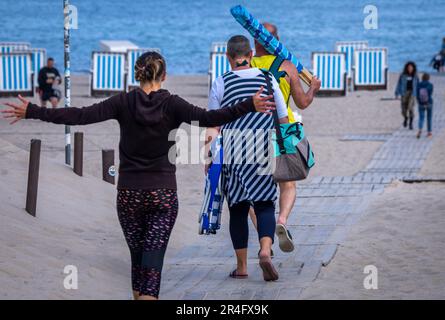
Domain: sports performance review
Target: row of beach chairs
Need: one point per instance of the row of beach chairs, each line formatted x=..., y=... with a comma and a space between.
x=353, y=64
x=20, y=65
x=19, y=68
x=114, y=71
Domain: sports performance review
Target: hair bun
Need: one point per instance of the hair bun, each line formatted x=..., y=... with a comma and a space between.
x=150, y=67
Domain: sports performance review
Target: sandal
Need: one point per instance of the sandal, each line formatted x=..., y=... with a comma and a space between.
x=235, y=275
x=284, y=237
x=269, y=272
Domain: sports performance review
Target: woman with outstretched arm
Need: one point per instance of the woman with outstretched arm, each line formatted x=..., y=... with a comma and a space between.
x=147, y=203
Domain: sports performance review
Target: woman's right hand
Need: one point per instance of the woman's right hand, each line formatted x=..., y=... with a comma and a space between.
x=16, y=111
x=262, y=104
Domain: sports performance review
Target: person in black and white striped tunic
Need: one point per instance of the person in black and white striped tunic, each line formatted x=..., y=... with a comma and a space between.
x=247, y=179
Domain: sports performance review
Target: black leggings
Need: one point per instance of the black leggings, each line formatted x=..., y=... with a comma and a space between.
x=239, y=228
x=147, y=218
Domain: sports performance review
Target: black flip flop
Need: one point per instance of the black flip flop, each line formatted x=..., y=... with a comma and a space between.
x=269, y=272
x=235, y=275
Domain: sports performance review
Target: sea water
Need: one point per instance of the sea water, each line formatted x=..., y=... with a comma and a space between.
x=185, y=29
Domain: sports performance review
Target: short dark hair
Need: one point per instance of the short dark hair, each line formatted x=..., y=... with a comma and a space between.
x=425, y=77
x=50, y=59
x=238, y=46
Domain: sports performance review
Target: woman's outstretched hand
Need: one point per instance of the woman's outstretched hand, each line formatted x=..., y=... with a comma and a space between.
x=262, y=104
x=16, y=111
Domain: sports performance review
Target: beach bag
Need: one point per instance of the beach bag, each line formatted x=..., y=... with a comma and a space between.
x=423, y=96
x=292, y=152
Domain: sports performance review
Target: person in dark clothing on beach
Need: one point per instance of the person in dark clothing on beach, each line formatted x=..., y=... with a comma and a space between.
x=407, y=90
x=425, y=100
x=49, y=79
x=147, y=203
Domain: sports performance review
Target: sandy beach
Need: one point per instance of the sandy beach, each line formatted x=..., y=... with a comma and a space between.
x=401, y=232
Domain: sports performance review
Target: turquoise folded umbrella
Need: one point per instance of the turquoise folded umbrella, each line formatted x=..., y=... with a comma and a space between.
x=267, y=40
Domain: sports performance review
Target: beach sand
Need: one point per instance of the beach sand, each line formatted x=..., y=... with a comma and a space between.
x=402, y=234
x=76, y=220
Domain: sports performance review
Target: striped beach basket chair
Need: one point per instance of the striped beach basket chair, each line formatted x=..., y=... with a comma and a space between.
x=38, y=60
x=7, y=47
x=219, y=64
x=330, y=68
x=370, y=69
x=132, y=56
x=108, y=73
x=16, y=76
x=348, y=47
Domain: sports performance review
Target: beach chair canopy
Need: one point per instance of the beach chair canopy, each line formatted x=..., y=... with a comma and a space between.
x=348, y=47
x=219, y=64
x=16, y=73
x=108, y=72
x=132, y=56
x=6, y=47
x=38, y=60
x=219, y=47
x=330, y=68
x=370, y=68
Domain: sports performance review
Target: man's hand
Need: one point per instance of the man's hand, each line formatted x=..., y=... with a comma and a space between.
x=16, y=111
x=315, y=84
x=262, y=104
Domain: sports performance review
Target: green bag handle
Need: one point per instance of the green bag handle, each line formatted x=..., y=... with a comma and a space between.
x=280, y=139
x=275, y=68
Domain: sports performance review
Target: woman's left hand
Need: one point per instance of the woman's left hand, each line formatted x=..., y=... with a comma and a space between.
x=16, y=111
x=262, y=104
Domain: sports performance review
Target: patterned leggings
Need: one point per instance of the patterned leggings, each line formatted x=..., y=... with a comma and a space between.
x=147, y=218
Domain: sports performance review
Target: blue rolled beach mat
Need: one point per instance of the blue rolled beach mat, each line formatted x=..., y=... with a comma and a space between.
x=267, y=40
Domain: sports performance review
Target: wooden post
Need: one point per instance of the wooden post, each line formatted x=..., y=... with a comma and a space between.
x=108, y=169
x=33, y=177
x=78, y=153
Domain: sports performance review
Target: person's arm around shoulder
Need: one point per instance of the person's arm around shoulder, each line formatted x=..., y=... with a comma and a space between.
x=302, y=99
x=98, y=112
x=185, y=112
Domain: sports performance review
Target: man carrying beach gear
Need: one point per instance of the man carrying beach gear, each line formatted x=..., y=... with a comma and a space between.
x=49, y=81
x=287, y=76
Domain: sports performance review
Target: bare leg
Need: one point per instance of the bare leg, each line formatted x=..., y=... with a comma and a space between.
x=253, y=217
x=288, y=193
x=241, y=261
x=266, y=246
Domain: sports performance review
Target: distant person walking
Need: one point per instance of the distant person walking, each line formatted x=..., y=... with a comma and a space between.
x=407, y=89
x=147, y=204
x=49, y=81
x=425, y=100
x=438, y=60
